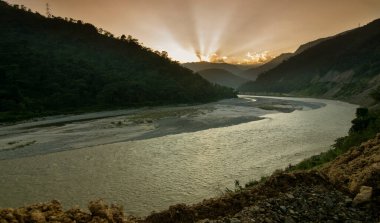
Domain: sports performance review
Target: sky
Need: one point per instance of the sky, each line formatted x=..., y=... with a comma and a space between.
x=233, y=31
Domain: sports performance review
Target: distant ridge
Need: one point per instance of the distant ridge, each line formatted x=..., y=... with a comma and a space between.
x=198, y=66
x=222, y=77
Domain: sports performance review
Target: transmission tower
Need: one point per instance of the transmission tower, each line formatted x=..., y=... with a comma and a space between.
x=48, y=14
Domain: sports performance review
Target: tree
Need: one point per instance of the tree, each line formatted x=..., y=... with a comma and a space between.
x=164, y=54
x=362, y=120
x=375, y=94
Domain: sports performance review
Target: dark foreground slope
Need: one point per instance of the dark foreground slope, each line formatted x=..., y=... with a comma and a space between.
x=55, y=65
x=346, y=66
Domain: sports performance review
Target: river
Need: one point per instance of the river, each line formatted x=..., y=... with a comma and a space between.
x=150, y=174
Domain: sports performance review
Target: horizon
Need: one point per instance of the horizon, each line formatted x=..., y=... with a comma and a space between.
x=196, y=31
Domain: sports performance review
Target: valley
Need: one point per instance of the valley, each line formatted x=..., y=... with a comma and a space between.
x=218, y=112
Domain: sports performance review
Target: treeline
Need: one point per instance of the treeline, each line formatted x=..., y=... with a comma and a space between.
x=55, y=65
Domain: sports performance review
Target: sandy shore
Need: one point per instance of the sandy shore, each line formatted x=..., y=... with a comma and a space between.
x=60, y=133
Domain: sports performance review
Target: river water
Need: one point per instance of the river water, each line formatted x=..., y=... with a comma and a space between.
x=151, y=174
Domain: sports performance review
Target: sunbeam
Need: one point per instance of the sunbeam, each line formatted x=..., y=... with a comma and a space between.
x=217, y=30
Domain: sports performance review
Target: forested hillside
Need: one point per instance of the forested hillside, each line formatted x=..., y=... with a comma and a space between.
x=55, y=65
x=345, y=66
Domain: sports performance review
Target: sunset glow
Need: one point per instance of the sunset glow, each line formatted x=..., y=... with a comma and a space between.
x=238, y=31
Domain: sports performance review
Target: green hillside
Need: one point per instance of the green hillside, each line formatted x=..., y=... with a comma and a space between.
x=55, y=65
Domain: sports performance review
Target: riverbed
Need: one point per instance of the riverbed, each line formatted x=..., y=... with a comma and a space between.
x=147, y=159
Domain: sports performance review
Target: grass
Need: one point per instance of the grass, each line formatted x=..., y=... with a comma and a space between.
x=252, y=183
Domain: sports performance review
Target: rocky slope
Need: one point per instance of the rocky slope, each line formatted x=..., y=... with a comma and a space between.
x=53, y=212
x=358, y=167
x=345, y=190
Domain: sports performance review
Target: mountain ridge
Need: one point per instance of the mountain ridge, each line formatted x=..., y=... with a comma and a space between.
x=345, y=66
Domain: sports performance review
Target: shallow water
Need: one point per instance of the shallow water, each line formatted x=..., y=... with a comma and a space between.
x=151, y=174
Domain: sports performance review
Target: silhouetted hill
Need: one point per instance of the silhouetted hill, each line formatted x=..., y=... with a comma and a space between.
x=345, y=66
x=198, y=66
x=222, y=77
x=308, y=45
x=55, y=65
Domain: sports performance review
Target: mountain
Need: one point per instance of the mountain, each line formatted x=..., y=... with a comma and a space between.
x=54, y=65
x=223, y=74
x=345, y=66
x=233, y=68
x=198, y=66
x=253, y=73
x=222, y=77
